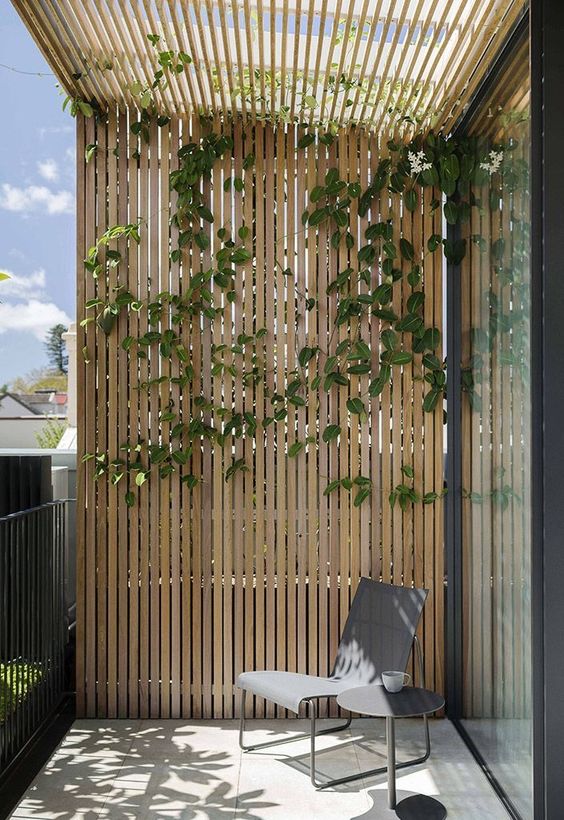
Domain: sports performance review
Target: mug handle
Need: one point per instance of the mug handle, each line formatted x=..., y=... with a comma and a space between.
x=407, y=678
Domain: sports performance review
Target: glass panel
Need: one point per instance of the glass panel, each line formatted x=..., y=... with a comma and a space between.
x=496, y=413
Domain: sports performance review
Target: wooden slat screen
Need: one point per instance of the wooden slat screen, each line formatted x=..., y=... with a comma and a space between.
x=184, y=590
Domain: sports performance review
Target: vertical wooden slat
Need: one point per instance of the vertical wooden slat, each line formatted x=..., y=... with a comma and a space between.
x=102, y=438
x=176, y=488
x=237, y=480
x=83, y=640
x=122, y=331
x=112, y=404
x=154, y=425
x=262, y=411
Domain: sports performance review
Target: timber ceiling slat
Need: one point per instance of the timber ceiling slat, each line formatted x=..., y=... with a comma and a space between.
x=385, y=64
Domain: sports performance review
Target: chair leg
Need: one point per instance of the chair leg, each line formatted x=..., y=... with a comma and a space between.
x=313, y=733
x=269, y=743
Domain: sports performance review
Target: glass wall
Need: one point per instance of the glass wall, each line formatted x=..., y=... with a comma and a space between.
x=496, y=410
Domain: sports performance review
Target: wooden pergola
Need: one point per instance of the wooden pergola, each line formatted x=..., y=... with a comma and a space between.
x=387, y=64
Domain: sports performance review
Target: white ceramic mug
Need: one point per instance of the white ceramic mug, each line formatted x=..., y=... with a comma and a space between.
x=395, y=681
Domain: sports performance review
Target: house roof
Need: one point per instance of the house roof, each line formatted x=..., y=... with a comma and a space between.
x=382, y=63
x=23, y=402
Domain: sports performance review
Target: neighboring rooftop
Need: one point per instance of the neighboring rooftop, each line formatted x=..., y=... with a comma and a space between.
x=40, y=403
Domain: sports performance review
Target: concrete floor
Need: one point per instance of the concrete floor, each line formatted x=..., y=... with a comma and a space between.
x=194, y=769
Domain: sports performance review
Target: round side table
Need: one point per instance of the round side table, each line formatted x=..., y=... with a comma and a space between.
x=412, y=701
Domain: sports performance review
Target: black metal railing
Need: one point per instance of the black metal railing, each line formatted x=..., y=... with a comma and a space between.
x=33, y=628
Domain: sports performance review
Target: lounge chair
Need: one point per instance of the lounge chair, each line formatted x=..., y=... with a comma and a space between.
x=379, y=635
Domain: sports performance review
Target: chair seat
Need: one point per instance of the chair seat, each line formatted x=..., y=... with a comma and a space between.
x=289, y=689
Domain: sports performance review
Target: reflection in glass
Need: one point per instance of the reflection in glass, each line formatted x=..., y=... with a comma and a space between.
x=496, y=438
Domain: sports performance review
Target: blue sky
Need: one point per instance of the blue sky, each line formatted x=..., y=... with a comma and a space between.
x=37, y=192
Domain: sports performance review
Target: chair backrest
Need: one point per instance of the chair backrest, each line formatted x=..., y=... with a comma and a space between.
x=379, y=631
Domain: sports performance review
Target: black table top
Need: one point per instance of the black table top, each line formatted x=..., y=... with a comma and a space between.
x=376, y=701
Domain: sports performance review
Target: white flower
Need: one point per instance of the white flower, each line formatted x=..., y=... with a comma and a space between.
x=494, y=162
x=417, y=162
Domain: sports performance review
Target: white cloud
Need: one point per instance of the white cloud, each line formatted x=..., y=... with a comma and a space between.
x=55, y=129
x=24, y=287
x=35, y=198
x=48, y=169
x=32, y=316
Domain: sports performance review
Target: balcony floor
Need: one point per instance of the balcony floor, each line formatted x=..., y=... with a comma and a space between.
x=193, y=769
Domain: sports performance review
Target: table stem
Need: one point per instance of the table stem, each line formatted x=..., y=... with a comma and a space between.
x=391, y=742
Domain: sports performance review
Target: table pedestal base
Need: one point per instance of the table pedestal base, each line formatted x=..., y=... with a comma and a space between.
x=420, y=807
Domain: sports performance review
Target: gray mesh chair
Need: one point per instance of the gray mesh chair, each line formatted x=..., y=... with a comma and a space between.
x=378, y=635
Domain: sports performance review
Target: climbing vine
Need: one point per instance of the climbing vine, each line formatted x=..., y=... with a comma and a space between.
x=452, y=168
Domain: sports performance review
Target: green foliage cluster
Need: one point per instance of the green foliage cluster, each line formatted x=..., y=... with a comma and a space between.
x=451, y=168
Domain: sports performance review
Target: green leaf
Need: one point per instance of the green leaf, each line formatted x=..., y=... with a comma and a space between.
x=359, y=369
x=408, y=470
x=355, y=406
x=416, y=301
x=237, y=466
x=432, y=338
x=317, y=193
x=317, y=217
x=410, y=199
x=249, y=161
x=361, y=496
x=377, y=385
x=295, y=448
x=190, y=480
x=431, y=399
x=389, y=339
x=333, y=485
x=85, y=108
x=407, y=250
x=331, y=433
x=383, y=294
x=410, y=323
x=205, y=213
x=362, y=349
x=306, y=354
x=336, y=239
x=385, y=314
x=400, y=357
x=431, y=362
x=414, y=276
x=451, y=212
x=130, y=499
x=331, y=176
x=306, y=140
x=202, y=240
x=434, y=242
x=140, y=478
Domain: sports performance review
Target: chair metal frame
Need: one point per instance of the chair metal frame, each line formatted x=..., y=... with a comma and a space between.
x=313, y=733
